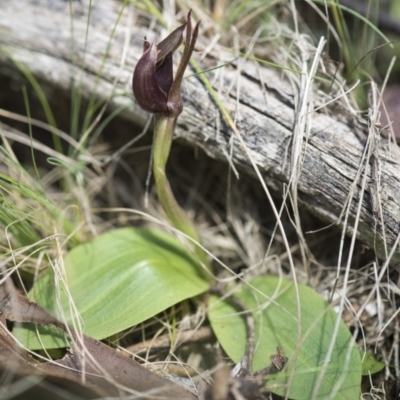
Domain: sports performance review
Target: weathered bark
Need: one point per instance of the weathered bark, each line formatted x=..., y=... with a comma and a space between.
x=38, y=34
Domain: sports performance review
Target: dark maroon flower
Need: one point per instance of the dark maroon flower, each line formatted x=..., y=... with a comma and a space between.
x=154, y=86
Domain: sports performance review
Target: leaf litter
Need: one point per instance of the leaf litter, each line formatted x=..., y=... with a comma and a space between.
x=89, y=363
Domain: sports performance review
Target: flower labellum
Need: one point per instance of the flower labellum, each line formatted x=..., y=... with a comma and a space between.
x=154, y=86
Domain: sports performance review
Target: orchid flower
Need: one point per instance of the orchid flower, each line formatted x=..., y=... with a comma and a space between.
x=155, y=88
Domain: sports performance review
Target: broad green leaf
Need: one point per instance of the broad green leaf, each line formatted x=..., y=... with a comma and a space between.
x=370, y=365
x=273, y=304
x=119, y=279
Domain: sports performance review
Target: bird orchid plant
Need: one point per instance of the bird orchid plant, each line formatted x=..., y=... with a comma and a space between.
x=158, y=91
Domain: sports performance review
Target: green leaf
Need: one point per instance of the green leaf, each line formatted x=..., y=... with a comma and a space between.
x=276, y=324
x=370, y=365
x=119, y=279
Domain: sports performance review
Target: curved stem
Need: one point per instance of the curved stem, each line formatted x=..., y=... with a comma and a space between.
x=163, y=134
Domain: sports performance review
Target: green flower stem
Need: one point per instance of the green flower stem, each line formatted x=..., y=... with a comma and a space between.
x=163, y=134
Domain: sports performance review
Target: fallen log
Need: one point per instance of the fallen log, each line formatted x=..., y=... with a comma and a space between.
x=317, y=151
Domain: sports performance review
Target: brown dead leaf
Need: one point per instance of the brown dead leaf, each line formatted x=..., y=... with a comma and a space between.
x=22, y=379
x=105, y=367
x=16, y=307
x=91, y=367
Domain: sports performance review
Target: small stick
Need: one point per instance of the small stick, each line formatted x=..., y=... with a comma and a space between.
x=164, y=341
x=247, y=361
